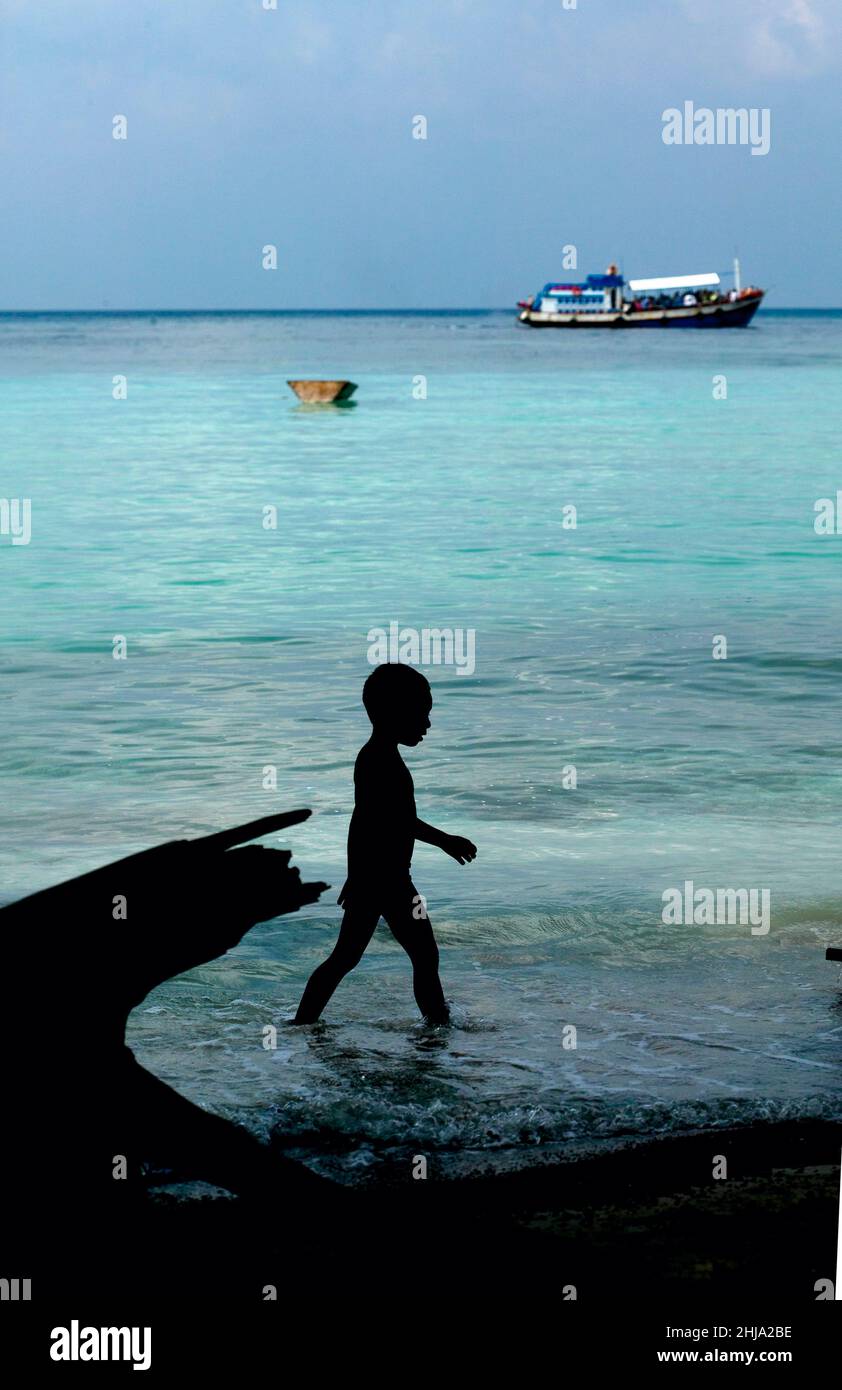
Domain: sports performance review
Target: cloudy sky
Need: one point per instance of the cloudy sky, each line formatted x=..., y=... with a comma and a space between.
x=250, y=126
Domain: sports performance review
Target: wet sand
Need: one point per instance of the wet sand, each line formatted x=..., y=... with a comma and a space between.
x=650, y=1221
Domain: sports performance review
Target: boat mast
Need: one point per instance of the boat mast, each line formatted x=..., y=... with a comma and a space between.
x=737, y=282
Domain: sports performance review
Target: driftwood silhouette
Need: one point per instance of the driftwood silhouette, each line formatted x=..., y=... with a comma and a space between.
x=80, y=956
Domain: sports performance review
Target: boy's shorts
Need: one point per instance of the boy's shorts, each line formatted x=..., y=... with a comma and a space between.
x=381, y=894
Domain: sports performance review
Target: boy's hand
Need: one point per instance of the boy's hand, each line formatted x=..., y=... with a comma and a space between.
x=460, y=849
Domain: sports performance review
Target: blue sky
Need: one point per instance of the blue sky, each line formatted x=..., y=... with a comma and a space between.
x=293, y=127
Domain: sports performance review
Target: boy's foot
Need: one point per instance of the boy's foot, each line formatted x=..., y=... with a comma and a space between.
x=438, y=1020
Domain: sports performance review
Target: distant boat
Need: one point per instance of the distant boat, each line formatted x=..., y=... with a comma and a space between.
x=323, y=392
x=674, y=301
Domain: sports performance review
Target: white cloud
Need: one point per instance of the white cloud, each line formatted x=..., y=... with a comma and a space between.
x=773, y=38
x=788, y=38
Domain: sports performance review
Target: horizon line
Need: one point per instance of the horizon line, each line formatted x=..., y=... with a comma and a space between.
x=445, y=309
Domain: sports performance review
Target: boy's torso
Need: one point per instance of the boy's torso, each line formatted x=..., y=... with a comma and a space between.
x=381, y=836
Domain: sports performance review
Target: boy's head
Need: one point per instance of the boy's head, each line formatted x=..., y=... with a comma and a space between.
x=398, y=701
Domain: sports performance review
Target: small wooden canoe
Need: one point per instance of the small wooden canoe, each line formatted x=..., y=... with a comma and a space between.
x=323, y=392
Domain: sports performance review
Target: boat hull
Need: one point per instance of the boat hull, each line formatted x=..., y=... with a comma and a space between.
x=323, y=392
x=732, y=315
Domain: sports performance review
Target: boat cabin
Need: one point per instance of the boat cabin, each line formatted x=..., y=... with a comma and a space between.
x=597, y=294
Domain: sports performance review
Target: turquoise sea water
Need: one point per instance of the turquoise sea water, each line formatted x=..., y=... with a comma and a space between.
x=247, y=648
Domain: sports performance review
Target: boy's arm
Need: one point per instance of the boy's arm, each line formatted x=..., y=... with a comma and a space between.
x=460, y=849
x=429, y=834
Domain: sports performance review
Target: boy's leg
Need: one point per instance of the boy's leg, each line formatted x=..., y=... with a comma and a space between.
x=416, y=937
x=354, y=935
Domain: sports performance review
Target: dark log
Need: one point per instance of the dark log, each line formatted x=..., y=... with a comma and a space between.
x=74, y=1095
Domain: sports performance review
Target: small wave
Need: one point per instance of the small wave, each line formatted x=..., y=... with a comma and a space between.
x=475, y=1140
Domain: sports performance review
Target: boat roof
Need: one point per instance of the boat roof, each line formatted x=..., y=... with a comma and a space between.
x=675, y=282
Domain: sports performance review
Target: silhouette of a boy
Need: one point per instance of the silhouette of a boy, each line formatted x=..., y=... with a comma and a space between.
x=381, y=838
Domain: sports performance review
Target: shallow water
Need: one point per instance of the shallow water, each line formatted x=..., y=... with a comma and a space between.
x=247, y=648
